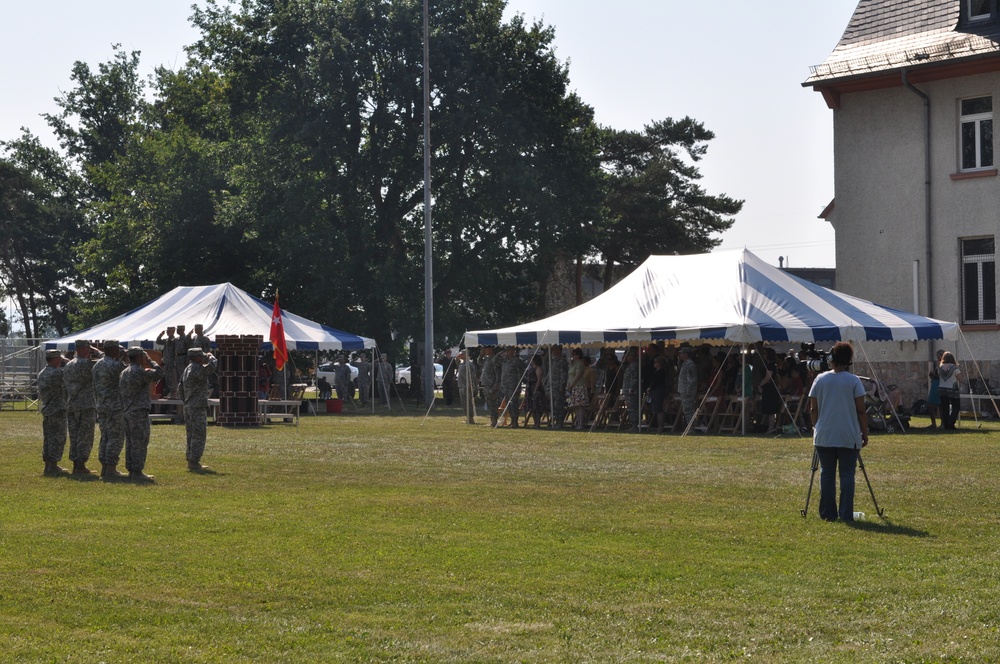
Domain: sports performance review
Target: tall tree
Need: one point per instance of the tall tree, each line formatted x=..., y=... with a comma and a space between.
x=326, y=103
x=41, y=225
x=654, y=202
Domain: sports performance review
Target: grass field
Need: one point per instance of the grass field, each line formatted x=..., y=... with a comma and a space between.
x=361, y=538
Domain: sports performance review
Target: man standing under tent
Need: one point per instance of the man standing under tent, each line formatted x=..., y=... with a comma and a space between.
x=385, y=378
x=468, y=382
x=555, y=384
x=52, y=406
x=490, y=384
x=511, y=374
x=342, y=379
x=80, y=405
x=134, y=385
x=196, y=337
x=167, y=339
x=110, y=418
x=364, y=368
x=687, y=383
x=196, y=389
x=631, y=389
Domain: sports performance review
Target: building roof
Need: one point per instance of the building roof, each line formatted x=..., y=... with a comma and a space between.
x=885, y=36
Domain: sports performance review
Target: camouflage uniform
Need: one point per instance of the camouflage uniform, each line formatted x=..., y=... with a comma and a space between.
x=169, y=364
x=491, y=386
x=511, y=374
x=687, y=388
x=342, y=381
x=109, y=409
x=384, y=379
x=133, y=385
x=196, y=390
x=80, y=406
x=631, y=391
x=467, y=386
x=364, y=379
x=555, y=386
x=181, y=345
x=52, y=405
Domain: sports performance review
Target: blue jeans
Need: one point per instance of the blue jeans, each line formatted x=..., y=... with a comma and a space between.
x=830, y=458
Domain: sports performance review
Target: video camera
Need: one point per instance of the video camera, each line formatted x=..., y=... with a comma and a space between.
x=813, y=360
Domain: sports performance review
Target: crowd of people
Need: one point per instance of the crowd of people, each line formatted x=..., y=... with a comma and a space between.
x=113, y=387
x=551, y=383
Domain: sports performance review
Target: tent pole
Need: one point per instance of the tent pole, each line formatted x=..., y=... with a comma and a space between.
x=743, y=389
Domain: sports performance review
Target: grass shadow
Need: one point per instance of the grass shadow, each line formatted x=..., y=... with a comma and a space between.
x=887, y=527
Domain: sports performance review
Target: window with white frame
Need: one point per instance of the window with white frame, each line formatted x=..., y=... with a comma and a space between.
x=979, y=281
x=976, y=129
x=978, y=9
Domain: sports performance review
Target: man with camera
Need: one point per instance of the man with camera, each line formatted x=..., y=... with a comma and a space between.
x=840, y=430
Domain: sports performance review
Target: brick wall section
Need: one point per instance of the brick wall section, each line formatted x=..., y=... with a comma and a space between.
x=237, y=355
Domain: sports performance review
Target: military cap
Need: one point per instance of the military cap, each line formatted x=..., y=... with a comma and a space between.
x=197, y=351
x=111, y=343
x=135, y=351
x=50, y=354
x=82, y=343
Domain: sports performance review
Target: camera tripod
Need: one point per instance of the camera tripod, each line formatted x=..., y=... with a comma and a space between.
x=815, y=466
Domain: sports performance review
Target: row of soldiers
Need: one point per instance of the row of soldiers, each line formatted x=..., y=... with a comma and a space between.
x=100, y=385
x=175, y=353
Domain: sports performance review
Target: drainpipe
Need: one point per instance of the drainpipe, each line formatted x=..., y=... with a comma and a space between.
x=927, y=200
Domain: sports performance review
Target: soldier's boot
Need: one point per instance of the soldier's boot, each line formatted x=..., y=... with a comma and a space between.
x=493, y=422
x=196, y=467
x=80, y=468
x=109, y=473
x=140, y=477
x=53, y=469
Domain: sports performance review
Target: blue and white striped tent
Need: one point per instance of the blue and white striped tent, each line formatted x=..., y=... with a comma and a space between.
x=222, y=309
x=728, y=296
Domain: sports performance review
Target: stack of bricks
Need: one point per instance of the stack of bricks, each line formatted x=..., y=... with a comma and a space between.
x=237, y=355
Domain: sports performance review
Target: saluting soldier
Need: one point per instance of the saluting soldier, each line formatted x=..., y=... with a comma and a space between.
x=110, y=418
x=134, y=388
x=555, y=385
x=52, y=405
x=181, y=345
x=80, y=405
x=196, y=382
x=364, y=378
x=631, y=389
x=167, y=340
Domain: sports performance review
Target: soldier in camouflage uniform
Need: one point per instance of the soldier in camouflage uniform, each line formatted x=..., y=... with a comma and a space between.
x=385, y=377
x=555, y=385
x=468, y=383
x=342, y=379
x=52, y=405
x=133, y=384
x=687, y=383
x=196, y=384
x=109, y=409
x=490, y=383
x=167, y=339
x=631, y=389
x=364, y=378
x=80, y=405
x=181, y=345
x=511, y=375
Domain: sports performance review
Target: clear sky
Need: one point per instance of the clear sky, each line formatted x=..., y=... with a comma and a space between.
x=734, y=65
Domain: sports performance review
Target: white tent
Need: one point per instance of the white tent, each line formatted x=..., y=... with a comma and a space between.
x=222, y=309
x=728, y=296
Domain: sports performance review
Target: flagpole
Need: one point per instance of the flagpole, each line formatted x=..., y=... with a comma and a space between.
x=428, y=258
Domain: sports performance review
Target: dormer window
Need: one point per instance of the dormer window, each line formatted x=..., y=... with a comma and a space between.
x=978, y=9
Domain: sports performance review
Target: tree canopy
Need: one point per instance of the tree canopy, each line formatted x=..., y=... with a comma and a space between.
x=288, y=152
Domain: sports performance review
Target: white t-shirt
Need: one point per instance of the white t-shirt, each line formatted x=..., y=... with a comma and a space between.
x=838, y=416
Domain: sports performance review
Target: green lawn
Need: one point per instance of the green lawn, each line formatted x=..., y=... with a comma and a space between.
x=361, y=538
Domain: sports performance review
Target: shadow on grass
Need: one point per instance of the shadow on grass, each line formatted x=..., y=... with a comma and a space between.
x=887, y=527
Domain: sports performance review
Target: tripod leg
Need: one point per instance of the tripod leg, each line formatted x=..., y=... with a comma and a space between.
x=812, y=477
x=861, y=464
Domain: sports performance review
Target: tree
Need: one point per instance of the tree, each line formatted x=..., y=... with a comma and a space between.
x=326, y=106
x=654, y=204
x=41, y=225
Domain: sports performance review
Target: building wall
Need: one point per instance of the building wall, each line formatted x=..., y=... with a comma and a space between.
x=879, y=217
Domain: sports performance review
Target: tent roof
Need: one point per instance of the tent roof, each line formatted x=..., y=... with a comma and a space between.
x=730, y=296
x=222, y=309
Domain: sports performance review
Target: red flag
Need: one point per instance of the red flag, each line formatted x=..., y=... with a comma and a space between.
x=278, y=336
